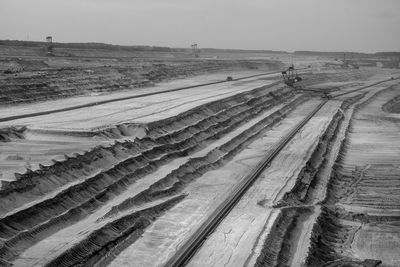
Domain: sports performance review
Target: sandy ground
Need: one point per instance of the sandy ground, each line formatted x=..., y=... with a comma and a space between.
x=139, y=199
x=139, y=110
x=159, y=242
x=374, y=150
x=58, y=240
x=44, y=251
x=49, y=136
x=21, y=109
x=363, y=187
x=251, y=218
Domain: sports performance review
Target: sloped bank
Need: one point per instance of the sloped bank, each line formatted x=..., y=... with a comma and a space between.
x=361, y=207
x=131, y=161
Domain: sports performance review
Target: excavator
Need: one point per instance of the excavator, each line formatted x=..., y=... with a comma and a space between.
x=290, y=76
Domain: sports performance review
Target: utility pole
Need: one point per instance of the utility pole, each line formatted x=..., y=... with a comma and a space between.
x=49, y=46
x=195, y=50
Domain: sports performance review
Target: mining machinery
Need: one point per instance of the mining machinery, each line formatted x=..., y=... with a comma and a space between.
x=290, y=76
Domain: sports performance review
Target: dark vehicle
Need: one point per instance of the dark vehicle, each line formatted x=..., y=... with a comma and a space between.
x=229, y=78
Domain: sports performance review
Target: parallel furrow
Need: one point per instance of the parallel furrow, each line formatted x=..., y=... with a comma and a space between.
x=22, y=229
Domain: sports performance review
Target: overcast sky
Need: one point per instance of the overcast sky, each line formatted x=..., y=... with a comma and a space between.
x=323, y=25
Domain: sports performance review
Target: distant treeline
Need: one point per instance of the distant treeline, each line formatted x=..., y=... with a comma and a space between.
x=92, y=46
x=331, y=54
x=169, y=49
x=126, y=47
x=348, y=54
x=388, y=54
x=240, y=50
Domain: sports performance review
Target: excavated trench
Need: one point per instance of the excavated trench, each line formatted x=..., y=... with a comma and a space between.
x=277, y=248
x=42, y=202
x=103, y=244
x=296, y=206
x=359, y=222
x=332, y=238
x=330, y=234
x=305, y=182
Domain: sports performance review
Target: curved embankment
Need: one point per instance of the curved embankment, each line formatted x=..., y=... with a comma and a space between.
x=300, y=206
x=66, y=192
x=277, y=245
x=307, y=177
x=332, y=238
x=295, y=205
x=361, y=206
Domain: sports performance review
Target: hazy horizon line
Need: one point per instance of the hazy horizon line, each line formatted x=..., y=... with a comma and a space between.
x=204, y=48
